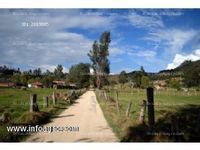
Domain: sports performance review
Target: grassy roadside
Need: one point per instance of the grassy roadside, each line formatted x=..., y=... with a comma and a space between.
x=16, y=102
x=185, y=107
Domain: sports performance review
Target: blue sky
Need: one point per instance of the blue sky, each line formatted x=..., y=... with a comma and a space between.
x=156, y=39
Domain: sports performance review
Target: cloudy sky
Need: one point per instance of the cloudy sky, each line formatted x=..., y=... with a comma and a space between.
x=156, y=39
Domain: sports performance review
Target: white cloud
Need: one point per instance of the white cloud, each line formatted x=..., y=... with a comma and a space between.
x=114, y=51
x=180, y=58
x=144, y=53
x=145, y=21
x=51, y=68
x=173, y=39
x=52, y=45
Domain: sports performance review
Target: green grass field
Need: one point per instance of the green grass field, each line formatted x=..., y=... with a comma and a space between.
x=17, y=103
x=184, y=106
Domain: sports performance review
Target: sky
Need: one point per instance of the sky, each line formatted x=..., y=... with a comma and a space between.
x=156, y=39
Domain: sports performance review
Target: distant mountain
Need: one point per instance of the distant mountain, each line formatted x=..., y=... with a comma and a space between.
x=188, y=65
x=185, y=66
x=165, y=74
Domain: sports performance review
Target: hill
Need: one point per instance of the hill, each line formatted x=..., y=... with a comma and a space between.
x=164, y=74
x=185, y=66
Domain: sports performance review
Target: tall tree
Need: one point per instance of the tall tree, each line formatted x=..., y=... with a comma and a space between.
x=80, y=75
x=58, y=72
x=142, y=71
x=37, y=72
x=99, y=57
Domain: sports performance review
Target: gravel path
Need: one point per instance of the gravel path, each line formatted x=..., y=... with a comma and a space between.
x=87, y=119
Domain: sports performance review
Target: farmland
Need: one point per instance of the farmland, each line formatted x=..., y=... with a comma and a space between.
x=17, y=103
x=183, y=105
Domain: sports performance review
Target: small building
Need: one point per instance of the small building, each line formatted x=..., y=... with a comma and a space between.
x=72, y=86
x=37, y=85
x=7, y=84
x=59, y=84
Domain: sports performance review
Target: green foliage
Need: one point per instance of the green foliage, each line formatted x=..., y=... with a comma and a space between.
x=192, y=77
x=137, y=76
x=174, y=83
x=99, y=57
x=48, y=80
x=16, y=78
x=32, y=79
x=58, y=72
x=122, y=77
x=145, y=82
x=80, y=75
x=142, y=71
x=24, y=79
x=37, y=72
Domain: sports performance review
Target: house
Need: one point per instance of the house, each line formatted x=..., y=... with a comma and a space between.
x=72, y=86
x=7, y=84
x=59, y=84
x=37, y=85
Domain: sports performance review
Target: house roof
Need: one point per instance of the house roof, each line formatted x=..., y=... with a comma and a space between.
x=37, y=83
x=59, y=82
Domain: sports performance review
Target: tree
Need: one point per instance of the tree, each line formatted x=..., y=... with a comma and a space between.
x=48, y=73
x=47, y=80
x=145, y=81
x=80, y=75
x=99, y=57
x=37, y=72
x=122, y=77
x=16, y=78
x=142, y=70
x=58, y=72
x=174, y=83
x=192, y=78
x=24, y=79
x=136, y=78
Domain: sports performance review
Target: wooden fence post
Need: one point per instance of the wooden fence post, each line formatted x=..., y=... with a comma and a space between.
x=150, y=99
x=198, y=122
x=142, y=112
x=105, y=95
x=6, y=117
x=101, y=94
x=45, y=98
x=54, y=98
x=33, y=103
x=117, y=101
x=128, y=109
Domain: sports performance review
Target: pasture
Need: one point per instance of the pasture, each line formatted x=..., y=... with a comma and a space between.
x=17, y=103
x=183, y=106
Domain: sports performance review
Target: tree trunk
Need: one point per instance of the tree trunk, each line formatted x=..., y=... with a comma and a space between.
x=98, y=81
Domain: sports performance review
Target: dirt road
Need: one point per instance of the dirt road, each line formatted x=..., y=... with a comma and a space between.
x=86, y=116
